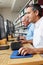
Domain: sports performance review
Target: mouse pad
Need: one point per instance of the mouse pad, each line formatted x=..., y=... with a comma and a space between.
x=15, y=55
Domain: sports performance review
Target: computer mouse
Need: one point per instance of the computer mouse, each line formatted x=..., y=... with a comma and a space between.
x=18, y=54
x=21, y=55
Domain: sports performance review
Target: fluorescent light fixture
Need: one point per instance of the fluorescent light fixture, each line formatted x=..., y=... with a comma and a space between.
x=41, y=6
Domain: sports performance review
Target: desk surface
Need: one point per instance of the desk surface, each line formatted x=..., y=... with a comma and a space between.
x=5, y=59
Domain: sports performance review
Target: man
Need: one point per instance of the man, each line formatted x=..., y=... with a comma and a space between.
x=30, y=30
x=34, y=13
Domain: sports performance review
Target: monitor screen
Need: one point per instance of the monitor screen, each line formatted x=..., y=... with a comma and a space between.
x=12, y=28
x=2, y=28
x=8, y=27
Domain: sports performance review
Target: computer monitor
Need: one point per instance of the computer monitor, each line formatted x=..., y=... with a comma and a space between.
x=12, y=28
x=8, y=27
x=2, y=28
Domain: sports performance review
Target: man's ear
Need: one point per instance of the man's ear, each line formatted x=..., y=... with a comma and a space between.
x=37, y=12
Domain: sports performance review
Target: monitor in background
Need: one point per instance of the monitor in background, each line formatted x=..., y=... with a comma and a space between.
x=10, y=28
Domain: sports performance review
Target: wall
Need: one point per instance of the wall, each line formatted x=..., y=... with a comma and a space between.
x=41, y=3
x=8, y=14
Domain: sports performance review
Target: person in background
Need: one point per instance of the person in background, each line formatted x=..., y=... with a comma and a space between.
x=34, y=13
x=30, y=30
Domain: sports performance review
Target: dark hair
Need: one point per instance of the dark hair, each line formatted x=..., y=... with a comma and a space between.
x=36, y=7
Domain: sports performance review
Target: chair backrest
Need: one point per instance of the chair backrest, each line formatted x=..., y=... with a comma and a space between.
x=2, y=28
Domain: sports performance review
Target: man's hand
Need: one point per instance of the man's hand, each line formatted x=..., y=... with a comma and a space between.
x=24, y=51
x=23, y=41
x=22, y=37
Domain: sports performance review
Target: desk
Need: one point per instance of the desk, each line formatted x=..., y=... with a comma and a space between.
x=5, y=59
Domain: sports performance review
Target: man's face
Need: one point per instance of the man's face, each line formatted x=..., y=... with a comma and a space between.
x=30, y=14
x=25, y=21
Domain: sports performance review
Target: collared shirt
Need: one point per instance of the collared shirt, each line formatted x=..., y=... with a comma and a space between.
x=30, y=31
x=38, y=34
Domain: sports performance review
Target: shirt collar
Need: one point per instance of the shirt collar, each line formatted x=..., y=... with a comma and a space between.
x=29, y=25
x=38, y=22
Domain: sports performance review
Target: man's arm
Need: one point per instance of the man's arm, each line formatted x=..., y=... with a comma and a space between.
x=39, y=50
x=27, y=41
